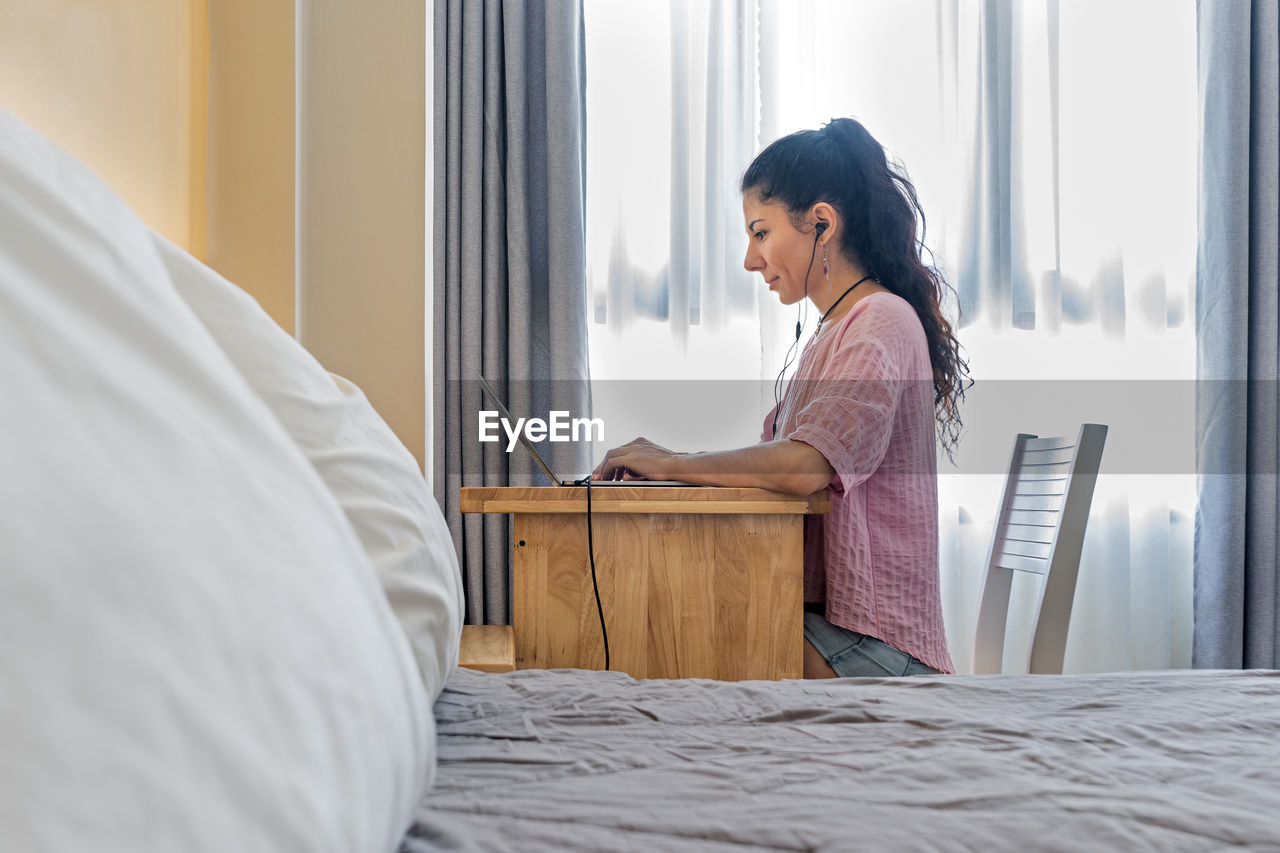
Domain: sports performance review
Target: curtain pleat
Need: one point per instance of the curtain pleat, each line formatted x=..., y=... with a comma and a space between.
x=1236, y=592
x=509, y=262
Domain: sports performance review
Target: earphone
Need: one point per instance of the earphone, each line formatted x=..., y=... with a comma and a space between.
x=818, y=229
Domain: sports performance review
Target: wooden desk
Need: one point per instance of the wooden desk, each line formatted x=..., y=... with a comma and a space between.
x=695, y=583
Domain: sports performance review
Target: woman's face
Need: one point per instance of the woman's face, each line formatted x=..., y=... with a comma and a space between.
x=778, y=251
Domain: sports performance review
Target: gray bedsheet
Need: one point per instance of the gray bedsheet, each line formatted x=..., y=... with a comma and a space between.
x=574, y=760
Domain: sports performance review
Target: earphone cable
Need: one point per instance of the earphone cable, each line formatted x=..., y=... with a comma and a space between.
x=591, y=554
x=786, y=362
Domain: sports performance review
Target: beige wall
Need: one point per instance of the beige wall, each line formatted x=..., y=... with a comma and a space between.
x=200, y=143
x=120, y=84
x=251, y=149
x=361, y=203
x=157, y=96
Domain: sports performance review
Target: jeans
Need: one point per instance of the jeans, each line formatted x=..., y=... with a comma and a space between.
x=854, y=655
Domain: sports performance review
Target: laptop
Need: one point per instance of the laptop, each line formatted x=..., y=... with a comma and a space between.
x=542, y=463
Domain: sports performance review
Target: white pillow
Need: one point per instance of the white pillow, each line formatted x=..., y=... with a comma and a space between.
x=373, y=476
x=194, y=651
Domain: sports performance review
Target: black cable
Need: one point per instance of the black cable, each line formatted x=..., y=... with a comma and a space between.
x=777, y=383
x=595, y=586
x=825, y=314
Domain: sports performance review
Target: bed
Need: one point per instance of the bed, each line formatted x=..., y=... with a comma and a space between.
x=230, y=611
x=571, y=760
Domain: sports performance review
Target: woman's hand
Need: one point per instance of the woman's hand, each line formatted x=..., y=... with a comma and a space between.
x=780, y=466
x=640, y=459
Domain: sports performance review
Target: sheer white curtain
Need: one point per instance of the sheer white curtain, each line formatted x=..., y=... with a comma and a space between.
x=1053, y=146
x=672, y=86
x=672, y=121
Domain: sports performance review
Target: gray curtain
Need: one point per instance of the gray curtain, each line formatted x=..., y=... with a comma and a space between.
x=509, y=274
x=1236, y=287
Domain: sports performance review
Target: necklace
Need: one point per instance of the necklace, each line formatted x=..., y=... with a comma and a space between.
x=827, y=313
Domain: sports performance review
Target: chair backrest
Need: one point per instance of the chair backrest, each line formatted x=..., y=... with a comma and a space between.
x=1040, y=530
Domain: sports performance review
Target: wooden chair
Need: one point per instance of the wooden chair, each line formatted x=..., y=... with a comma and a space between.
x=1040, y=530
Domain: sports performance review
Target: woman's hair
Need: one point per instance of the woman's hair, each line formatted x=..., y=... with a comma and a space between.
x=843, y=165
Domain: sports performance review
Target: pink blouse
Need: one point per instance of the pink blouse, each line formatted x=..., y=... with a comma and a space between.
x=862, y=396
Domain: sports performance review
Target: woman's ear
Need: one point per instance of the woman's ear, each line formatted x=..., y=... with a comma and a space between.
x=824, y=218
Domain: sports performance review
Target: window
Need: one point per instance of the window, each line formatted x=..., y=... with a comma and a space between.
x=1053, y=146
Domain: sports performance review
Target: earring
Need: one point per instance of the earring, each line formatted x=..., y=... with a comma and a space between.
x=826, y=272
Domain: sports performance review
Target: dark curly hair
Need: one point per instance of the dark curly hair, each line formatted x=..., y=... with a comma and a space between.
x=843, y=165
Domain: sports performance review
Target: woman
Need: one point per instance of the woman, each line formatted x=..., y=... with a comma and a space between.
x=859, y=416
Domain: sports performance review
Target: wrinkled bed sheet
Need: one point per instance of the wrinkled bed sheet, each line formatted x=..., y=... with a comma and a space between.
x=576, y=760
